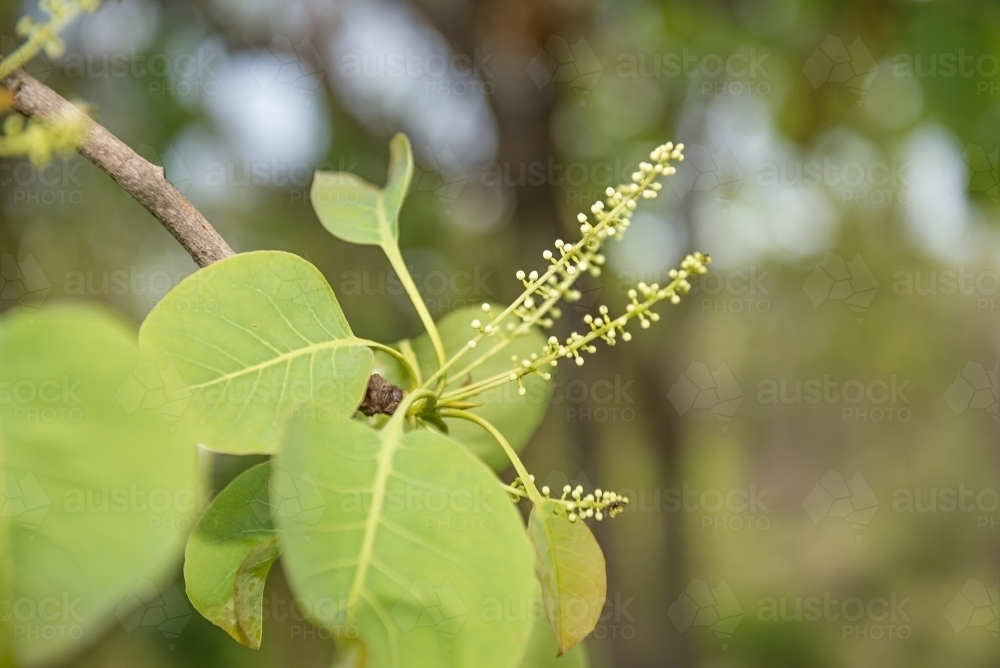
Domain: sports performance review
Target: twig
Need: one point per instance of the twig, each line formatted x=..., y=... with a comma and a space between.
x=146, y=182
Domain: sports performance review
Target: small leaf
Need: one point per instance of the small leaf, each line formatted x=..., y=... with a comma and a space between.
x=572, y=571
x=95, y=498
x=359, y=212
x=229, y=555
x=543, y=652
x=250, y=337
x=249, y=589
x=414, y=546
x=516, y=416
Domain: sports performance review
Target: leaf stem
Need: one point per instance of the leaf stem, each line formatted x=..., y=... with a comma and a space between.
x=522, y=472
x=400, y=357
x=396, y=260
x=397, y=419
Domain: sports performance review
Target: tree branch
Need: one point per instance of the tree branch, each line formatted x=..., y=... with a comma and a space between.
x=146, y=182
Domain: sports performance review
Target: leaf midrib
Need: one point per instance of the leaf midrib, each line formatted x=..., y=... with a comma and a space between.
x=391, y=437
x=555, y=567
x=284, y=357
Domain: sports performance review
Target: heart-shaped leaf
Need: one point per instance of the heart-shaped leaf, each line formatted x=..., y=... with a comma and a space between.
x=516, y=416
x=572, y=571
x=94, y=498
x=230, y=553
x=414, y=536
x=359, y=212
x=250, y=337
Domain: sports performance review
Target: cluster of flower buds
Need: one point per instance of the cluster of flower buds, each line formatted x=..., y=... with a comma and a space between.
x=597, y=505
x=610, y=330
x=543, y=290
x=39, y=140
x=45, y=35
x=609, y=219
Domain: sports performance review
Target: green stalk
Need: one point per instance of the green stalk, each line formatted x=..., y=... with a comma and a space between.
x=412, y=371
x=396, y=260
x=522, y=472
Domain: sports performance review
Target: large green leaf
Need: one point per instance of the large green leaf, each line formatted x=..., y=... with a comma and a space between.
x=250, y=337
x=94, y=502
x=543, y=652
x=230, y=553
x=359, y=212
x=572, y=571
x=516, y=416
x=414, y=541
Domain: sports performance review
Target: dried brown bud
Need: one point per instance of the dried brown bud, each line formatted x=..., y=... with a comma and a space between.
x=381, y=397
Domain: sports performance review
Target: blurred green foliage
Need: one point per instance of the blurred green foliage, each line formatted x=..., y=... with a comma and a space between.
x=808, y=156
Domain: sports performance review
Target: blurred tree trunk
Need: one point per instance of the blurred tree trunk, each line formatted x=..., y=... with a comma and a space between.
x=514, y=31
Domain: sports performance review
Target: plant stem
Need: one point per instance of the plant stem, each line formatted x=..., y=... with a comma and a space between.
x=522, y=472
x=411, y=371
x=396, y=260
x=399, y=417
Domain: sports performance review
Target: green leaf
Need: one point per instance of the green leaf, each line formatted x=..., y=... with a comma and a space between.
x=359, y=212
x=572, y=571
x=229, y=555
x=94, y=501
x=250, y=337
x=517, y=417
x=543, y=652
x=415, y=545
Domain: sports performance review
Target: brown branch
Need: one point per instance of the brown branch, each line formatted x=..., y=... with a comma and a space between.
x=148, y=184
x=144, y=181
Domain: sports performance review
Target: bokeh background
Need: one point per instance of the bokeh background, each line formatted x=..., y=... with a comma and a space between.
x=809, y=440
